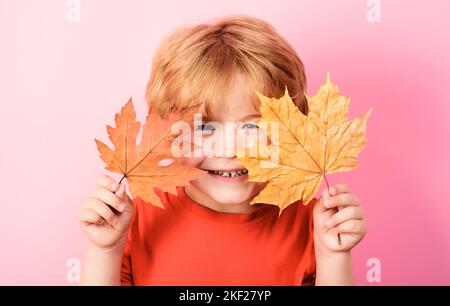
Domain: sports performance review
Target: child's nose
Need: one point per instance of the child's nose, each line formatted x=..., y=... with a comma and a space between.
x=226, y=146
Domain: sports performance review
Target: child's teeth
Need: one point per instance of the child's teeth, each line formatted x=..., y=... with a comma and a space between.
x=231, y=174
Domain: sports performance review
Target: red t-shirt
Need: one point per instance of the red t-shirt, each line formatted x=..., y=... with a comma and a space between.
x=189, y=244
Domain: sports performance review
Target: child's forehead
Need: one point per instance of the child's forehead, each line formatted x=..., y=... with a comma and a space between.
x=236, y=99
x=234, y=110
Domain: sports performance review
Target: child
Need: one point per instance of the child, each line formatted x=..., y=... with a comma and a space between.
x=208, y=234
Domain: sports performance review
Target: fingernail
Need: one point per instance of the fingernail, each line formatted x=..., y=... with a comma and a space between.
x=122, y=207
x=114, y=220
x=114, y=186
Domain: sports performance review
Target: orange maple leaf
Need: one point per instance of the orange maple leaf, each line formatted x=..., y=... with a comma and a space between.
x=151, y=163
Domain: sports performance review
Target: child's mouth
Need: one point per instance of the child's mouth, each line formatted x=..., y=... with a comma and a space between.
x=229, y=176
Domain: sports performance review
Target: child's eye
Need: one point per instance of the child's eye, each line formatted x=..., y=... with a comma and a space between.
x=250, y=126
x=206, y=127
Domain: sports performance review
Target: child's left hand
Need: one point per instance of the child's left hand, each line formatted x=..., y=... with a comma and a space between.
x=349, y=221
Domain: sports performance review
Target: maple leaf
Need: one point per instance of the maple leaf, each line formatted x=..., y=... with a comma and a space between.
x=151, y=163
x=308, y=147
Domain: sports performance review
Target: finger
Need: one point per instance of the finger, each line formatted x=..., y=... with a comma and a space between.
x=341, y=200
x=338, y=189
x=89, y=216
x=103, y=210
x=106, y=196
x=350, y=227
x=346, y=214
x=108, y=182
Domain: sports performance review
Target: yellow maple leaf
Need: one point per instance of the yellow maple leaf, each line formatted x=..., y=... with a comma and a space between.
x=151, y=163
x=307, y=147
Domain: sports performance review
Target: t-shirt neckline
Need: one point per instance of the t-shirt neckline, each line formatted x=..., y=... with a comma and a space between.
x=218, y=216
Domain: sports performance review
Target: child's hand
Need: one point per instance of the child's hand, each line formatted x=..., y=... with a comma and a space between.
x=105, y=216
x=339, y=213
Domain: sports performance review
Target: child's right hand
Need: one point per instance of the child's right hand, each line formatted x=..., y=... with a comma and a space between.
x=106, y=215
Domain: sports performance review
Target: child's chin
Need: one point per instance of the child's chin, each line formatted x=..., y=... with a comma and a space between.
x=231, y=197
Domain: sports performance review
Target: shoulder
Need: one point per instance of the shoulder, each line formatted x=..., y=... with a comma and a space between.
x=299, y=210
x=148, y=213
x=296, y=221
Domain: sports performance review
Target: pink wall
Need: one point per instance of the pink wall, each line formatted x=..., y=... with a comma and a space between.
x=61, y=82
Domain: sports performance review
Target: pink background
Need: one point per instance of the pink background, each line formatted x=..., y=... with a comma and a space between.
x=62, y=82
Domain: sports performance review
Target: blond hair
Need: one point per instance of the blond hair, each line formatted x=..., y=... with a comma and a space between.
x=197, y=63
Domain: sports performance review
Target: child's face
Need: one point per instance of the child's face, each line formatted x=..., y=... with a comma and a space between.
x=237, y=110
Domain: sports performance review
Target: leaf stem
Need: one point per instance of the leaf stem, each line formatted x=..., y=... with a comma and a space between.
x=326, y=181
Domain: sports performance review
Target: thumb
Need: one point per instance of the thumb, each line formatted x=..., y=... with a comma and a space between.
x=320, y=207
x=321, y=213
x=126, y=201
x=122, y=194
x=127, y=212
